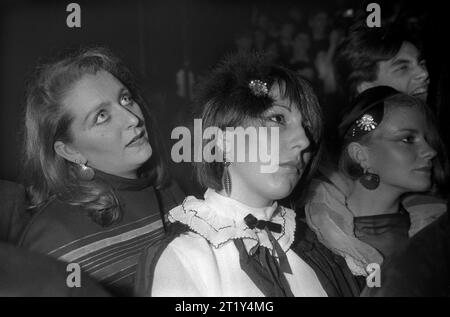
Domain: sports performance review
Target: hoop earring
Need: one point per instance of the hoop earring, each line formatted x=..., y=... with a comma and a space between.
x=226, y=179
x=369, y=180
x=85, y=173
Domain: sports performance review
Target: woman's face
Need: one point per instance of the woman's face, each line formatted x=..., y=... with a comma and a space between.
x=108, y=129
x=256, y=188
x=399, y=152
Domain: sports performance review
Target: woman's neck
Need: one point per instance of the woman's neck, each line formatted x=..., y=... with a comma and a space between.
x=252, y=201
x=364, y=202
x=124, y=174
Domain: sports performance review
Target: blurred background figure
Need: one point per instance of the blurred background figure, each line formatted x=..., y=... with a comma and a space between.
x=185, y=80
x=244, y=42
x=286, y=34
x=301, y=60
x=318, y=23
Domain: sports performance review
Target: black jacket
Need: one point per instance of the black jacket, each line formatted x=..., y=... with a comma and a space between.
x=25, y=273
x=422, y=268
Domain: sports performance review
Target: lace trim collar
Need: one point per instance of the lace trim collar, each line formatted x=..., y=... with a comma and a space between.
x=220, y=219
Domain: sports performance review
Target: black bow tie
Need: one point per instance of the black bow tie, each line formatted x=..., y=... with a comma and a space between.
x=268, y=226
x=253, y=223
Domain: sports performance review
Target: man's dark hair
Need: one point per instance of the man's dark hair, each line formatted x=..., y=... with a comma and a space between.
x=357, y=57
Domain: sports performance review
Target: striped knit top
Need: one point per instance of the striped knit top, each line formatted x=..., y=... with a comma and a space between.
x=108, y=254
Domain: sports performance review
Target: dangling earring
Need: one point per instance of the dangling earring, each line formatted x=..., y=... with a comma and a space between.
x=226, y=178
x=369, y=180
x=85, y=173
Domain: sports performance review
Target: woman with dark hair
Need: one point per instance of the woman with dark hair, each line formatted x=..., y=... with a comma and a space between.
x=390, y=148
x=94, y=171
x=237, y=240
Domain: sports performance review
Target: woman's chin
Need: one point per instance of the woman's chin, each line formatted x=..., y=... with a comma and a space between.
x=143, y=154
x=422, y=187
x=281, y=191
x=417, y=186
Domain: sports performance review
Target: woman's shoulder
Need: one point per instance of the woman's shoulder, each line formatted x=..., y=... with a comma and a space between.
x=191, y=245
x=185, y=243
x=180, y=241
x=180, y=252
x=59, y=212
x=52, y=225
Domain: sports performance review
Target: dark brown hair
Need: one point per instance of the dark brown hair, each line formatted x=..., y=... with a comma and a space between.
x=225, y=100
x=49, y=176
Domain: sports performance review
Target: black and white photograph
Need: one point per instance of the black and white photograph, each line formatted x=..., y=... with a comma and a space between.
x=208, y=150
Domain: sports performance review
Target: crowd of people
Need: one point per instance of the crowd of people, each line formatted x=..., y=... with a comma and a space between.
x=305, y=45
x=97, y=190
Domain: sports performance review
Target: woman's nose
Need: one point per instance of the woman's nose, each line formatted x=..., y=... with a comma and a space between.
x=299, y=140
x=131, y=119
x=428, y=152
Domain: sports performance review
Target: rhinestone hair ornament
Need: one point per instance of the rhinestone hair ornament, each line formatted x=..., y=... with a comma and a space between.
x=258, y=88
x=366, y=123
x=366, y=112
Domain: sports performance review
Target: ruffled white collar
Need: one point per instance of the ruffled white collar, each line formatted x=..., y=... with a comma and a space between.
x=220, y=219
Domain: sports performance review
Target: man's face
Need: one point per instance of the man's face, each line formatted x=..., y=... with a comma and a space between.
x=405, y=72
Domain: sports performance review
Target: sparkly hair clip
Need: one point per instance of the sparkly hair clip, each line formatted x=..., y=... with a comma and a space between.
x=258, y=88
x=365, y=124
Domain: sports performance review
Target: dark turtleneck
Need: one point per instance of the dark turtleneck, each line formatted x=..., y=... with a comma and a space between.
x=386, y=232
x=122, y=183
x=109, y=254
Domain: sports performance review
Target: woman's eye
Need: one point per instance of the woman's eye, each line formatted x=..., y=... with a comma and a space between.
x=126, y=100
x=279, y=119
x=101, y=117
x=404, y=68
x=408, y=139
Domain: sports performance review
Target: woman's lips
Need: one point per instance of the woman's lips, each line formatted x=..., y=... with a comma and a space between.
x=425, y=169
x=291, y=167
x=137, y=140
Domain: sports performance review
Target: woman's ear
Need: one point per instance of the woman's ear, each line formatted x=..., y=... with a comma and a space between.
x=224, y=143
x=69, y=153
x=359, y=154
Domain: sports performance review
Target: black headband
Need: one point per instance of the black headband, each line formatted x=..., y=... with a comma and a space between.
x=366, y=112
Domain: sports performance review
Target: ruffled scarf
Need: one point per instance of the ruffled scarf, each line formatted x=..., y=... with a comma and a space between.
x=327, y=215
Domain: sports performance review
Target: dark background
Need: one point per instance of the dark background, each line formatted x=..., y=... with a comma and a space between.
x=153, y=38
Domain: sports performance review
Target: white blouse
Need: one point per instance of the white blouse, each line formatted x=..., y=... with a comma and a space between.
x=205, y=261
